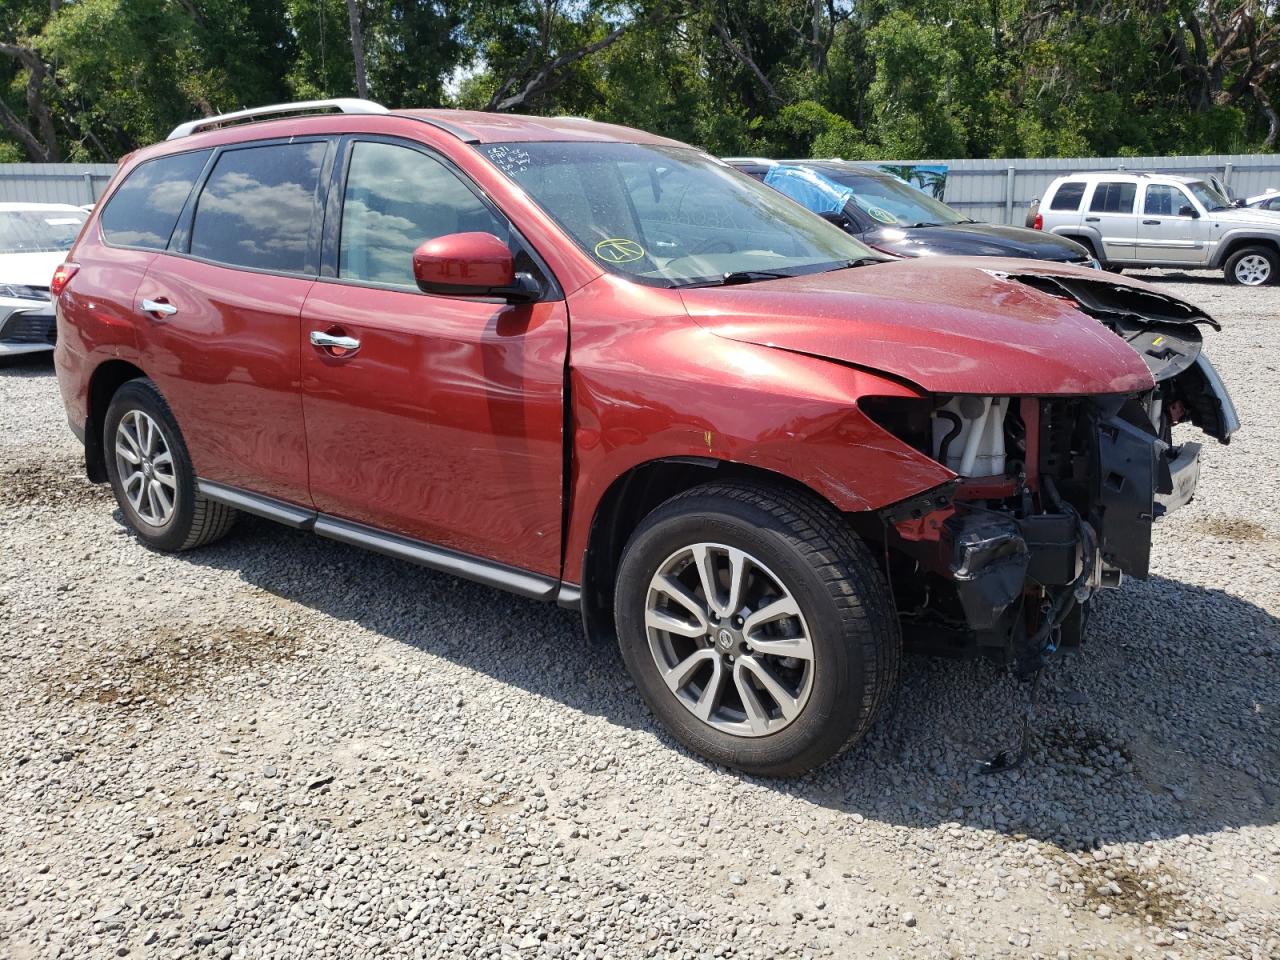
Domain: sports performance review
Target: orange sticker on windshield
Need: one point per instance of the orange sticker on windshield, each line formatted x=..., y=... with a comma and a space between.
x=619, y=250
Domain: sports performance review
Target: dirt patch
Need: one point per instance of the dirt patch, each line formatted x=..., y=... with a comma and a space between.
x=1232, y=528
x=1150, y=895
x=173, y=666
x=48, y=482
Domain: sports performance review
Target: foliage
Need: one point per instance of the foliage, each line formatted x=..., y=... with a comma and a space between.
x=902, y=79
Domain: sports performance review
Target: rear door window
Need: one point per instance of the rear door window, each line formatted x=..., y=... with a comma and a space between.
x=144, y=209
x=259, y=207
x=1068, y=196
x=1111, y=197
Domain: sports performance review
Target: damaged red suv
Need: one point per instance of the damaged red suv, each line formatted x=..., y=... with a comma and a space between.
x=598, y=367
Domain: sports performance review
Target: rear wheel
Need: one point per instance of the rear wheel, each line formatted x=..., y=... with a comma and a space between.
x=151, y=473
x=1251, y=267
x=756, y=626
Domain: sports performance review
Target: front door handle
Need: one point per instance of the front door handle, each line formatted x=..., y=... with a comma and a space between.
x=1092, y=219
x=158, y=307
x=333, y=341
x=1151, y=223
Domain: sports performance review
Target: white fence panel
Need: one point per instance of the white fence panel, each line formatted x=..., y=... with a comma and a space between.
x=75, y=183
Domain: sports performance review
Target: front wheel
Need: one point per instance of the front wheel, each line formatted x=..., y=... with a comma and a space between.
x=757, y=627
x=1251, y=267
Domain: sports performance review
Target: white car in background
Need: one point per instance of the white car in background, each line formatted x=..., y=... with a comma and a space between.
x=34, y=239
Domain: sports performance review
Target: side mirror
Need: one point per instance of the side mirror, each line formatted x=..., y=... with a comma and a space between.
x=839, y=219
x=471, y=265
x=1187, y=210
x=1238, y=202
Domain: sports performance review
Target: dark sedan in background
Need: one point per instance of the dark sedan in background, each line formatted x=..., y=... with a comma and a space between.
x=890, y=215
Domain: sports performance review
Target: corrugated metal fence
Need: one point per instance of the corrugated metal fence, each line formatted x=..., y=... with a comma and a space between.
x=75, y=183
x=999, y=191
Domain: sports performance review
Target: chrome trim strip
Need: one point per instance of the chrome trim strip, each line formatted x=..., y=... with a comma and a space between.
x=570, y=596
x=522, y=582
x=300, y=518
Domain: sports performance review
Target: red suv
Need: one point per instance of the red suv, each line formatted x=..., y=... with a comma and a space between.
x=602, y=368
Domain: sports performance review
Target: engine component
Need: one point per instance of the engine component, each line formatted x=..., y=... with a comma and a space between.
x=968, y=435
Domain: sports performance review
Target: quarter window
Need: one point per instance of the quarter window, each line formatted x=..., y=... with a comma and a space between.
x=396, y=199
x=257, y=208
x=1068, y=196
x=144, y=209
x=1113, y=198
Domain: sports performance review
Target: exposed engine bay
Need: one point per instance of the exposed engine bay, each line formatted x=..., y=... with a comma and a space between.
x=1054, y=497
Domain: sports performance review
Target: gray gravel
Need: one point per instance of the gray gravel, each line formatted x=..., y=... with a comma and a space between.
x=283, y=747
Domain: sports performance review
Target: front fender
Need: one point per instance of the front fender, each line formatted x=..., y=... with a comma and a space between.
x=703, y=396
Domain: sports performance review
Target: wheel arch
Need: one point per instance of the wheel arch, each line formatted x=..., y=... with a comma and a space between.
x=629, y=499
x=1233, y=243
x=107, y=378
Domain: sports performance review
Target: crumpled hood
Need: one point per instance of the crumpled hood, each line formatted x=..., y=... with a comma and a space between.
x=948, y=325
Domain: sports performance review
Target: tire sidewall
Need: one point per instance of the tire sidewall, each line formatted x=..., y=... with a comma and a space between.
x=142, y=395
x=831, y=714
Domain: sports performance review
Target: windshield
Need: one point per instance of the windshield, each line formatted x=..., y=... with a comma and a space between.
x=38, y=231
x=1209, y=198
x=671, y=216
x=893, y=203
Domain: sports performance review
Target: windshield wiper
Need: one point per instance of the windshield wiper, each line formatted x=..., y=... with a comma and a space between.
x=925, y=224
x=748, y=276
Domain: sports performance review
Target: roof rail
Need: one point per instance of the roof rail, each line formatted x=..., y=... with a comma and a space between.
x=341, y=105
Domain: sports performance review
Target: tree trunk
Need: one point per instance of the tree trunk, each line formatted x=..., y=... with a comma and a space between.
x=40, y=141
x=357, y=49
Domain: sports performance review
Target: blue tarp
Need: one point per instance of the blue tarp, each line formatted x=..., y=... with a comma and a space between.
x=808, y=188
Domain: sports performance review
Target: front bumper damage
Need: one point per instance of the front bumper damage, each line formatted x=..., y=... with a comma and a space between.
x=1010, y=561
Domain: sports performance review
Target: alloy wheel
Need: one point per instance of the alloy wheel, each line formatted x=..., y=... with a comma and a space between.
x=729, y=640
x=1253, y=270
x=144, y=463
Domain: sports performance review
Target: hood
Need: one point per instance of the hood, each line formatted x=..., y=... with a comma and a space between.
x=947, y=325
x=976, y=240
x=30, y=269
x=1245, y=216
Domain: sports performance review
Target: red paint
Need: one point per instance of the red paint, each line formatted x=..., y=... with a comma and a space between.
x=468, y=264
x=447, y=423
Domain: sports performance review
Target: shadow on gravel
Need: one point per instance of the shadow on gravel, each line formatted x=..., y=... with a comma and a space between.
x=27, y=365
x=1165, y=724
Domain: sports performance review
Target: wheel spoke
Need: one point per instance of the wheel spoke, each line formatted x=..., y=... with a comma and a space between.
x=138, y=481
x=127, y=447
x=662, y=620
x=757, y=715
x=737, y=574
x=709, y=699
x=162, y=497
x=678, y=676
x=707, y=574
x=678, y=593
x=784, y=607
x=785, y=699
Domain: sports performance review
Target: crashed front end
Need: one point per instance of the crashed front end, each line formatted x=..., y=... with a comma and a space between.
x=1054, y=496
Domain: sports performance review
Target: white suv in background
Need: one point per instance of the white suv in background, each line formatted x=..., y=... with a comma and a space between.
x=34, y=239
x=1162, y=220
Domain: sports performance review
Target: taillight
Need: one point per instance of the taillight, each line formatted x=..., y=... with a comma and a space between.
x=61, y=277
x=1038, y=222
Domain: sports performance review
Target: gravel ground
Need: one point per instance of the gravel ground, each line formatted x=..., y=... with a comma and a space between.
x=282, y=747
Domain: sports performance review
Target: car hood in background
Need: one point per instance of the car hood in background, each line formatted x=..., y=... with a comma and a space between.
x=975, y=240
x=29, y=269
x=947, y=325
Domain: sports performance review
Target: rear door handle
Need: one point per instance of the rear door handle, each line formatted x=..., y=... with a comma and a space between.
x=332, y=341
x=160, y=307
x=1152, y=223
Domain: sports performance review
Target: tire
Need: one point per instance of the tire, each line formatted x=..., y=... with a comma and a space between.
x=798, y=554
x=1252, y=267
x=191, y=520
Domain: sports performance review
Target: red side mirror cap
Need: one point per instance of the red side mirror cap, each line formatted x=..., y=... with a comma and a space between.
x=464, y=265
